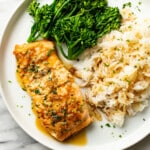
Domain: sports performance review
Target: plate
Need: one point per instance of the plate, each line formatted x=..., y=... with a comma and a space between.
x=100, y=135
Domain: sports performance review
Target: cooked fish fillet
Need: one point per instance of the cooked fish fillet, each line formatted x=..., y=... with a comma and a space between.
x=56, y=98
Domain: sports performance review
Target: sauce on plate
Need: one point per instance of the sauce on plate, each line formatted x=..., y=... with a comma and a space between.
x=80, y=139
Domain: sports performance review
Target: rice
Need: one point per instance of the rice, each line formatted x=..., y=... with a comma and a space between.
x=117, y=70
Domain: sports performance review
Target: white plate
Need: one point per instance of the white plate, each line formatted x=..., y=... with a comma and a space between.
x=19, y=104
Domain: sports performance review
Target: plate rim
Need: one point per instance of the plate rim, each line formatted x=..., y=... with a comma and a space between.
x=145, y=133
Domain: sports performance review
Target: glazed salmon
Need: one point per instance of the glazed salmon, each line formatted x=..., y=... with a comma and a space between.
x=56, y=98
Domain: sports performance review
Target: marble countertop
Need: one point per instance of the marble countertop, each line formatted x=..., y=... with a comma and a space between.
x=12, y=137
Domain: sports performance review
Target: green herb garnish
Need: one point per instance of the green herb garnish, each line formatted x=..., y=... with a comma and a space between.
x=144, y=119
x=37, y=91
x=54, y=91
x=49, y=53
x=9, y=81
x=128, y=4
x=120, y=136
x=108, y=125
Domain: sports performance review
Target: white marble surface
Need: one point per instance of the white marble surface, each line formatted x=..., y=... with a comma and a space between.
x=12, y=137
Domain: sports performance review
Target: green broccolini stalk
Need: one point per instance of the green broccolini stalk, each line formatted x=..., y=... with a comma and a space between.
x=76, y=23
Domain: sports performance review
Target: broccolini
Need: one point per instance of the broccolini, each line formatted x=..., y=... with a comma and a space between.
x=76, y=23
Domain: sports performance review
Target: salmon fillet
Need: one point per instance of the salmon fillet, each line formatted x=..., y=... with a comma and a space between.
x=56, y=98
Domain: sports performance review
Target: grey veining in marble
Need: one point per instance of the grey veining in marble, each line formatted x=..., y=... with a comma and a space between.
x=12, y=137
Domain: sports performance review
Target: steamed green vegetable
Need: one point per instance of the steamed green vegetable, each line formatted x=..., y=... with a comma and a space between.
x=76, y=23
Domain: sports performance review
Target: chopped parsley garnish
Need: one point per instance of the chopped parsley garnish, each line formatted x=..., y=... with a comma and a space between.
x=54, y=91
x=120, y=136
x=29, y=114
x=128, y=81
x=139, y=3
x=33, y=68
x=49, y=53
x=128, y=4
x=107, y=125
x=23, y=89
x=144, y=119
x=45, y=97
x=50, y=78
x=106, y=64
x=37, y=91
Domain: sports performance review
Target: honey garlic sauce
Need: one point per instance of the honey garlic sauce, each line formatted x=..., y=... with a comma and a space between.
x=79, y=139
